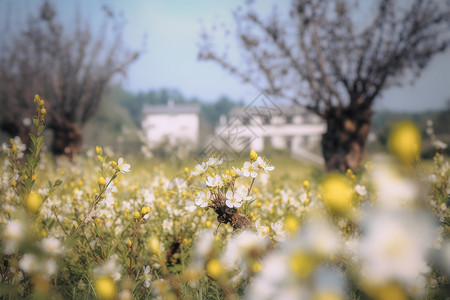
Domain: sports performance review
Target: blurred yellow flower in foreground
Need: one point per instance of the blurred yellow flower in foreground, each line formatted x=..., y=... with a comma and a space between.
x=405, y=141
x=291, y=224
x=214, y=268
x=105, y=288
x=154, y=245
x=337, y=193
x=302, y=264
x=33, y=202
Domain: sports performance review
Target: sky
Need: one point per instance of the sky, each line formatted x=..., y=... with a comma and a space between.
x=171, y=31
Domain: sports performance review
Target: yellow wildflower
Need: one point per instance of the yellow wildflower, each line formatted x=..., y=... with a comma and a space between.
x=105, y=288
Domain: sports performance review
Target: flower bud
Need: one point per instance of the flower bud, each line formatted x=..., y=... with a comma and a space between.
x=253, y=155
x=101, y=181
x=144, y=211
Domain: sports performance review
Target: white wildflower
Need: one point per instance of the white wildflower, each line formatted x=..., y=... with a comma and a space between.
x=122, y=166
x=280, y=233
x=26, y=121
x=167, y=224
x=250, y=169
x=393, y=190
x=303, y=196
x=52, y=246
x=199, y=169
x=214, y=161
x=261, y=229
x=13, y=234
x=233, y=199
x=395, y=246
x=202, y=199
x=238, y=172
x=432, y=178
x=30, y=263
x=361, y=190
x=264, y=164
x=439, y=144
x=274, y=280
x=147, y=276
x=20, y=146
x=240, y=248
x=204, y=245
x=214, y=182
x=242, y=190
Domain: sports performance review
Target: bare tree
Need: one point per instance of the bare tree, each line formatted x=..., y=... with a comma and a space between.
x=334, y=60
x=69, y=68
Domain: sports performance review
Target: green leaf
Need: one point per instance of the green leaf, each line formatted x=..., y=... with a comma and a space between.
x=39, y=131
x=112, y=249
x=33, y=138
x=50, y=225
x=29, y=158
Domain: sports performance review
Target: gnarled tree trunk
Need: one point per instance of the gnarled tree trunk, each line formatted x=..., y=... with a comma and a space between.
x=67, y=139
x=344, y=141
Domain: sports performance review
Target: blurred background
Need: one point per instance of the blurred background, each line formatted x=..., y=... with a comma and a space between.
x=168, y=79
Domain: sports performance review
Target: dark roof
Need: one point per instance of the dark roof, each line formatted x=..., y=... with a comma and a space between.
x=242, y=111
x=171, y=109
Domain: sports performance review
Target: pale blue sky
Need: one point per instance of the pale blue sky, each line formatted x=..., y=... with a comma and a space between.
x=170, y=60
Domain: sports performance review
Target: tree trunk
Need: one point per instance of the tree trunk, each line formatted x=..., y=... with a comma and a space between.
x=344, y=141
x=67, y=139
x=17, y=128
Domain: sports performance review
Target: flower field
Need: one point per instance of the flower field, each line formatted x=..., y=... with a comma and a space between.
x=101, y=227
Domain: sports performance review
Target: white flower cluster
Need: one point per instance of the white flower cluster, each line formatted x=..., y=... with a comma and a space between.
x=235, y=196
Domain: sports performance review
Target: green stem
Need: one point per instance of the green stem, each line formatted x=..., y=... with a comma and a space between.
x=132, y=244
x=250, y=188
x=97, y=199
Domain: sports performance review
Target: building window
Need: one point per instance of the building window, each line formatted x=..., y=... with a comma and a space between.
x=306, y=140
x=289, y=143
x=289, y=120
x=266, y=120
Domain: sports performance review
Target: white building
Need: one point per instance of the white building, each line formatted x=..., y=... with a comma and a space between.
x=286, y=127
x=171, y=125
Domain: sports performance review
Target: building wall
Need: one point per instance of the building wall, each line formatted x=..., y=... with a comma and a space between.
x=174, y=128
x=277, y=134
